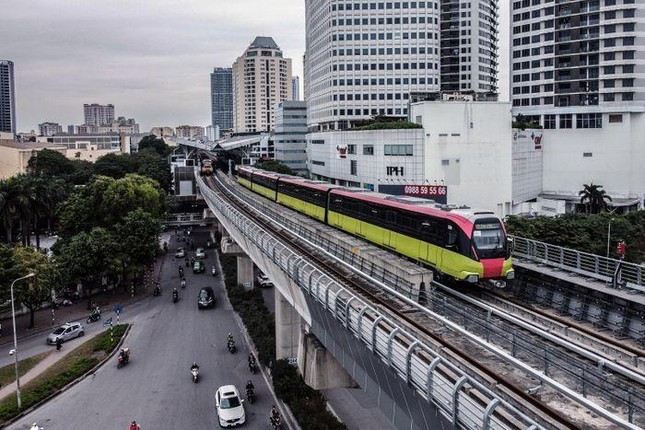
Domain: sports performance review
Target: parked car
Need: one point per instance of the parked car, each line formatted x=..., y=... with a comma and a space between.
x=264, y=281
x=205, y=298
x=200, y=253
x=198, y=266
x=66, y=332
x=181, y=253
x=230, y=409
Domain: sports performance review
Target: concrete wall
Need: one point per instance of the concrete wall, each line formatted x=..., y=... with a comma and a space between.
x=395, y=398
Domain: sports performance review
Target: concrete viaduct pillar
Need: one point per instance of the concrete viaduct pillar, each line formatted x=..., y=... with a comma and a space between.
x=317, y=366
x=244, y=263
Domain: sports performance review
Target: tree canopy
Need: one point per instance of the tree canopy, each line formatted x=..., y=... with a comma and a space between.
x=594, y=198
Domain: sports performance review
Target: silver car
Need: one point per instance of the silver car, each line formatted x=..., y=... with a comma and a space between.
x=200, y=253
x=230, y=410
x=66, y=332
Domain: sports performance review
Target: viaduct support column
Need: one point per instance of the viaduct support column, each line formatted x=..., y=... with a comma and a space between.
x=318, y=367
x=245, y=271
x=287, y=328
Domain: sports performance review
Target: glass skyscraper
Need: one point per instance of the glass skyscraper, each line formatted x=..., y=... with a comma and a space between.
x=7, y=98
x=222, y=98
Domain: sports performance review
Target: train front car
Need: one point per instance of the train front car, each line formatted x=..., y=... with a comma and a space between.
x=244, y=174
x=490, y=248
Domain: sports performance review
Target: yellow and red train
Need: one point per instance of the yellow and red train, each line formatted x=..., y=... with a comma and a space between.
x=463, y=244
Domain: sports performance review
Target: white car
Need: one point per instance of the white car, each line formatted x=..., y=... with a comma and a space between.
x=230, y=410
x=66, y=332
x=200, y=253
x=264, y=281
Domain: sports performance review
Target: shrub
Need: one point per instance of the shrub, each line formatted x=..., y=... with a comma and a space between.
x=308, y=405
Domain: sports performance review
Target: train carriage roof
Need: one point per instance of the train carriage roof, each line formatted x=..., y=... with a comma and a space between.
x=308, y=183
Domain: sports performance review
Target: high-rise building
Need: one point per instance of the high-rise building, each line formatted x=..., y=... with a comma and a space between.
x=290, y=143
x=7, y=98
x=222, y=98
x=364, y=59
x=469, y=43
x=189, y=131
x=261, y=78
x=98, y=115
x=295, y=88
x=49, y=129
x=577, y=70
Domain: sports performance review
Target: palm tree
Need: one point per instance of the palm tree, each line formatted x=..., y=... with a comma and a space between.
x=594, y=198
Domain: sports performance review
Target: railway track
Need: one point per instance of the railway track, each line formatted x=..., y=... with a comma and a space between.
x=431, y=331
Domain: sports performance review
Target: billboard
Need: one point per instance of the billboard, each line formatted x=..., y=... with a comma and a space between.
x=438, y=193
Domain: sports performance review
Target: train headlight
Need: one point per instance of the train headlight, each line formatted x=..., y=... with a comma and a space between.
x=510, y=274
x=472, y=279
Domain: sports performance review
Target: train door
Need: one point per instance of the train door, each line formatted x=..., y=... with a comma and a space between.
x=428, y=250
x=388, y=237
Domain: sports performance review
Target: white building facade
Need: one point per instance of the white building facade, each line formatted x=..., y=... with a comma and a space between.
x=49, y=129
x=97, y=115
x=578, y=70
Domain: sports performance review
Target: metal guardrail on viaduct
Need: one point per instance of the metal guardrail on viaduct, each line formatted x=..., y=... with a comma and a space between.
x=461, y=399
x=582, y=263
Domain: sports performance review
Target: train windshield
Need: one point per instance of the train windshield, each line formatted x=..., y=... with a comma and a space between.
x=489, y=238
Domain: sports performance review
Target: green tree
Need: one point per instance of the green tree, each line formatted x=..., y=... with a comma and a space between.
x=88, y=257
x=149, y=163
x=9, y=270
x=156, y=144
x=49, y=162
x=138, y=239
x=114, y=165
x=274, y=166
x=129, y=193
x=32, y=293
x=594, y=198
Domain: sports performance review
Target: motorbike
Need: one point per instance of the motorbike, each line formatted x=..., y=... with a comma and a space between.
x=187, y=262
x=183, y=283
x=214, y=271
x=253, y=367
x=156, y=291
x=276, y=421
x=175, y=296
x=94, y=316
x=231, y=346
x=181, y=272
x=123, y=358
x=250, y=395
x=195, y=372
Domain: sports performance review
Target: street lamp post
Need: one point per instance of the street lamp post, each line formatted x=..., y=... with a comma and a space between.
x=609, y=235
x=15, y=338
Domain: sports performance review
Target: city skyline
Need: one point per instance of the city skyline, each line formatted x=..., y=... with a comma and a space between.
x=151, y=61
x=153, y=67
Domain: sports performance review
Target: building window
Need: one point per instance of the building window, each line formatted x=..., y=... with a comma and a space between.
x=351, y=149
x=368, y=149
x=353, y=167
x=589, y=120
x=549, y=122
x=614, y=118
x=587, y=154
x=566, y=120
x=398, y=150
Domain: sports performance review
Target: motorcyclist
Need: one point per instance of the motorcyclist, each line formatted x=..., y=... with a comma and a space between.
x=251, y=361
x=275, y=416
x=183, y=282
x=214, y=271
x=192, y=261
x=187, y=261
x=123, y=356
x=175, y=294
x=229, y=338
x=249, y=386
x=194, y=366
x=134, y=426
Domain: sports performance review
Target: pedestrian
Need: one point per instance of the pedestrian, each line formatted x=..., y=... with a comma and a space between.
x=59, y=344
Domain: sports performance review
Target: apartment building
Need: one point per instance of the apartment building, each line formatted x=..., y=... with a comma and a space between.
x=261, y=78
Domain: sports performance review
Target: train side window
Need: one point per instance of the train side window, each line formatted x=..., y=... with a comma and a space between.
x=451, y=239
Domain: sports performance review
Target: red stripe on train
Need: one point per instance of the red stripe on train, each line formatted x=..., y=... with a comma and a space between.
x=493, y=267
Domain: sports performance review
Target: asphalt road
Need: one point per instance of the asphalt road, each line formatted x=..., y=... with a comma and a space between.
x=155, y=388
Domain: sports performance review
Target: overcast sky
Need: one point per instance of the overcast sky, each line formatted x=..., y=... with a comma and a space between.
x=151, y=59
